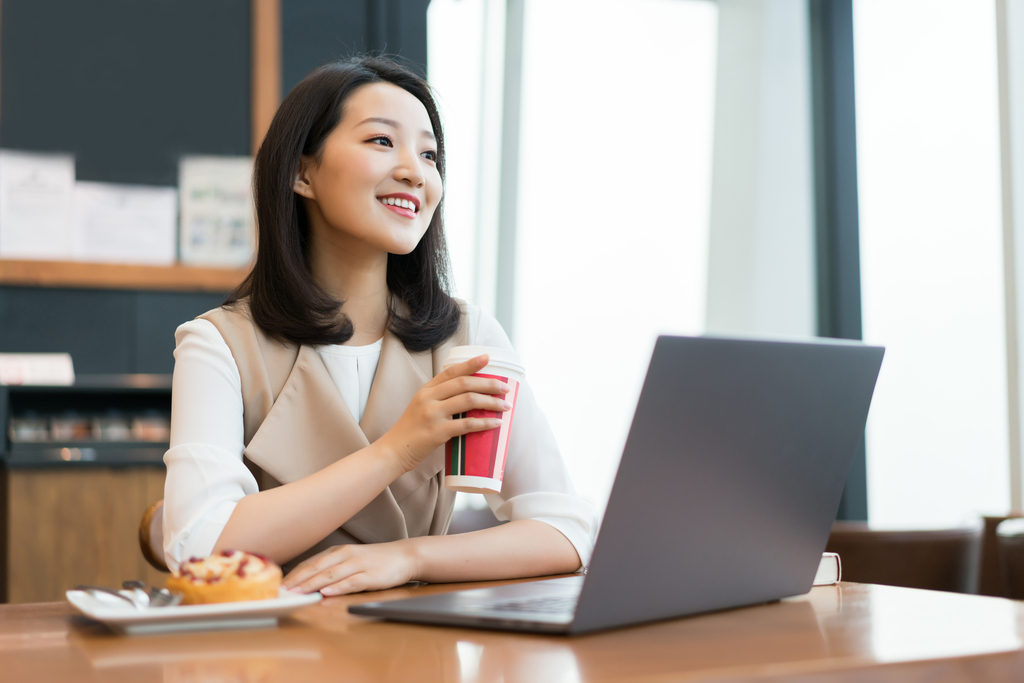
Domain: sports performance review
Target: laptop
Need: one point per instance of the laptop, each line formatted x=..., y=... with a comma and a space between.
x=725, y=494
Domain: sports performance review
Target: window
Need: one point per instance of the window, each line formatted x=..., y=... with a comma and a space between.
x=465, y=43
x=931, y=258
x=614, y=201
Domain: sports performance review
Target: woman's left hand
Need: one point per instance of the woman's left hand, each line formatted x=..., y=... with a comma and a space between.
x=353, y=568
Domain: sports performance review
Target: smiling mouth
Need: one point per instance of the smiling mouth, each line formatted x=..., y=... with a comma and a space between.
x=394, y=203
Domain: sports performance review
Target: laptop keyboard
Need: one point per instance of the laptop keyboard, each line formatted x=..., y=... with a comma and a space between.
x=547, y=605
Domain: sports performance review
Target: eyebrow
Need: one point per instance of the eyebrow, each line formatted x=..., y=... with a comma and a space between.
x=393, y=124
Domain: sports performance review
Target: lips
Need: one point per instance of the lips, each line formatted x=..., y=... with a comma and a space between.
x=401, y=200
x=401, y=211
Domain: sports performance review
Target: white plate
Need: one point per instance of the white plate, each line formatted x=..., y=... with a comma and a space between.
x=120, y=616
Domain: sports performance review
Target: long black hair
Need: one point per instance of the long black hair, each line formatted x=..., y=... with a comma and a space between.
x=284, y=298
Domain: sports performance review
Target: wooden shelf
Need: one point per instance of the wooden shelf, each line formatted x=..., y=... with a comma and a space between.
x=119, y=276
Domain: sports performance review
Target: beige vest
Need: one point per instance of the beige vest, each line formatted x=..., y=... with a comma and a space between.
x=296, y=423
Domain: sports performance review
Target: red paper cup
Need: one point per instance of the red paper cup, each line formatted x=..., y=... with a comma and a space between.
x=475, y=462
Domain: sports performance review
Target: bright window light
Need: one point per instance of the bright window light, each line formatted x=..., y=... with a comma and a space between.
x=614, y=197
x=465, y=53
x=931, y=258
x=614, y=194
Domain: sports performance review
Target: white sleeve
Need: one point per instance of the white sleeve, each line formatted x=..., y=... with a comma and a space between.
x=205, y=474
x=536, y=484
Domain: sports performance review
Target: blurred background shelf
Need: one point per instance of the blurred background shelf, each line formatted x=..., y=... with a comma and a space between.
x=89, y=424
x=78, y=274
x=86, y=454
x=70, y=505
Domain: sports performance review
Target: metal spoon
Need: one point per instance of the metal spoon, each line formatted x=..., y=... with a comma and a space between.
x=110, y=591
x=154, y=597
x=137, y=590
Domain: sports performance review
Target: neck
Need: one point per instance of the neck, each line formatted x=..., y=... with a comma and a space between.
x=355, y=273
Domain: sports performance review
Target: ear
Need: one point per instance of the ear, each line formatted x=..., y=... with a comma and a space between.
x=303, y=177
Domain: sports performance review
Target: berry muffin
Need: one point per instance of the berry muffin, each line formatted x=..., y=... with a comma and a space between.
x=228, y=576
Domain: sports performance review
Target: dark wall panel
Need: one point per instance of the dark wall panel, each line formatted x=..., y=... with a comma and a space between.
x=127, y=86
x=316, y=31
x=105, y=331
x=158, y=315
x=94, y=326
x=407, y=31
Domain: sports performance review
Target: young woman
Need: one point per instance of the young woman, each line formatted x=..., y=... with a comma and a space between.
x=310, y=412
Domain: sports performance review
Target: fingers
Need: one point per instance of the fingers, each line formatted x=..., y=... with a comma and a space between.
x=352, y=584
x=312, y=566
x=463, y=403
x=466, y=425
x=331, y=579
x=350, y=569
x=317, y=573
x=462, y=369
x=470, y=384
x=427, y=422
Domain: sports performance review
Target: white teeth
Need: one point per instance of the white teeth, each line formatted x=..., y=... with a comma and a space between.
x=404, y=203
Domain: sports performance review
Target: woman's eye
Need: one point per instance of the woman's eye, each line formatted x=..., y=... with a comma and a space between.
x=430, y=154
x=382, y=140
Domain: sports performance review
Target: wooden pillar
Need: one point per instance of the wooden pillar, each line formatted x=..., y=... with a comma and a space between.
x=266, y=66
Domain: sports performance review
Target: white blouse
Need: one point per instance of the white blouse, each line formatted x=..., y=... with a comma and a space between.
x=206, y=476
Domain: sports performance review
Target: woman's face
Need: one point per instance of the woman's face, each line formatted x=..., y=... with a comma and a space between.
x=377, y=179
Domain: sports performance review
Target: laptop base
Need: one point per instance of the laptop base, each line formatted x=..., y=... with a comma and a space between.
x=479, y=607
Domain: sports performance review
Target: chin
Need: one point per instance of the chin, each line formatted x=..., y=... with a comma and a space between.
x=404, y=245
x=403, y=250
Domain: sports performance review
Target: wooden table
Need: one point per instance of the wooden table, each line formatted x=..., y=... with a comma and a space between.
x=841, y=633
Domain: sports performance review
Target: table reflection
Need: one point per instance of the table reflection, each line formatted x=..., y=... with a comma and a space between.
x=236, y=656
x=854, y=624
x=369, y=650
x=917, y=624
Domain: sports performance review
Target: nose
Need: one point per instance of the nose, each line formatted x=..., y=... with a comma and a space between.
x=408, y=169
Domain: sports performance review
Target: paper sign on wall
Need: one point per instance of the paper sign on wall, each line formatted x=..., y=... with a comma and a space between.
x=125, y=223
x=217, y=222
x=53, y=369
x=37, y=201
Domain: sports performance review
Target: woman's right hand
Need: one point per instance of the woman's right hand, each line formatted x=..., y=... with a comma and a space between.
x=427, y=422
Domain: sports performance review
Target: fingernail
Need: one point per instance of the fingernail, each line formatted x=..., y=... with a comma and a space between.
x=328, y=591
x=294, y=589
x=508, y=406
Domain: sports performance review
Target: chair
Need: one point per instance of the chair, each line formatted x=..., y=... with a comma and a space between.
x=151, y=535
x=935, y=559
x=1010, y=539
x=991, y=581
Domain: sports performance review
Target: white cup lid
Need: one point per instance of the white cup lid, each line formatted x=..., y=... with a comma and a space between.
x=499, y=358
